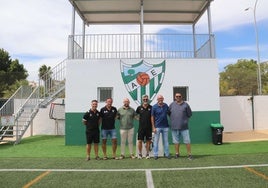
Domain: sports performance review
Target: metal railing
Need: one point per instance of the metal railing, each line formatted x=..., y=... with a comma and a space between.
x=12, y=104
x=25, y=114
x=21, y=108
x=12, y=110
x=101, y=46
x=52, y=83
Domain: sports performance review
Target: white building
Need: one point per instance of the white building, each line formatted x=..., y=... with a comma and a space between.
x=109, y=65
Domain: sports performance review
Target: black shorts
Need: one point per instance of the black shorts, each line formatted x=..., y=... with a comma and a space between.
x=144, y=134
x=93, y=136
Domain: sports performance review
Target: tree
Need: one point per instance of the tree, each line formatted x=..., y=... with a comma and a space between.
x=43, y=70
x=264, y=77
x=11, y=72
x=45, y=75
x=241, y=78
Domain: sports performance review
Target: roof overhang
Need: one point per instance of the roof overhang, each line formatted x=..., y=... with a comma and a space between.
x=129, y=11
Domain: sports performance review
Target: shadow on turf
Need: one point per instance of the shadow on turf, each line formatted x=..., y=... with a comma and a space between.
x=39, y=138
x=31, y=140
x=185, y=157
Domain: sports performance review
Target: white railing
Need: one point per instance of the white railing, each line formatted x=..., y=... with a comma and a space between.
x=100, y=46
x=11, y=104
x=51, y=83
x=24, y=104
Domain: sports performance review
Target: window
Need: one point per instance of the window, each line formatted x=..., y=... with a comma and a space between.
x=183, y=90
x=104, y=93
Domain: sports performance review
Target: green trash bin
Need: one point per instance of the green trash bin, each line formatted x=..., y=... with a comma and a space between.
x=217, y=130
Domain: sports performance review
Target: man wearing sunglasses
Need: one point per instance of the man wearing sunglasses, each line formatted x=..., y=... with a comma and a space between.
x=180, y=112
x=145, y=126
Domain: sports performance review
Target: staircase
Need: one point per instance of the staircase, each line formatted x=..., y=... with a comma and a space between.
x=18, y=113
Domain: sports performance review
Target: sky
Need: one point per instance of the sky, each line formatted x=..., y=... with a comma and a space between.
x=36, y=31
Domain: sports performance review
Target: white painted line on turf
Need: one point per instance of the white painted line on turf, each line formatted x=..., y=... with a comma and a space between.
x=128, y=170
x=149, y=179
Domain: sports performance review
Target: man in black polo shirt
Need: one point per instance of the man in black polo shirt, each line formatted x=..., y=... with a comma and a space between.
x=91, y=120
x=108, y=115
x=145, y=126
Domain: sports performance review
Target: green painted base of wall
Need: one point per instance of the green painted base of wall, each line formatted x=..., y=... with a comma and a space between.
x=200, y=130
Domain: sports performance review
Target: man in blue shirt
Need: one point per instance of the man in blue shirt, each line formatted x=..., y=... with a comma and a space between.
x=160, y=125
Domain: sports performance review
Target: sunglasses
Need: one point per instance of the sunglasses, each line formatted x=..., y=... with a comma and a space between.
x=178, y=96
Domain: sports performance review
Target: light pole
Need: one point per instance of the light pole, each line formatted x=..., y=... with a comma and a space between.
x=258, y=50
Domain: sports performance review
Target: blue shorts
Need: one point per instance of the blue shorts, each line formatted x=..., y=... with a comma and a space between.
x=176, y=135
x=105, y=133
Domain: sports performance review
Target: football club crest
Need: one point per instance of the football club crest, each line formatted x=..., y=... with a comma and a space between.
x=143, y=78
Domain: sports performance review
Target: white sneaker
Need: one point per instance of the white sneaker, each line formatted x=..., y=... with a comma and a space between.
x=140, y=156
x=147, y=156
x=132, y=156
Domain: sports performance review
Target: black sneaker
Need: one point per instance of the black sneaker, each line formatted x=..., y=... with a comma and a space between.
x=177, y=156
x=155, y=157
x=190, y=157
x=168, y=157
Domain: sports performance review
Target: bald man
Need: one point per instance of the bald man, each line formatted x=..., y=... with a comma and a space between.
x=126, y=115
x=160, y=125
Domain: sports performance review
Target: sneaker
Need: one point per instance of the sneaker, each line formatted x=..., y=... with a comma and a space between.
x=105, y=158
x=115, y=158
x=132, y=156
x=177, y=156
x=155, y=157
x=168, y=157
x=88, y=159
x=147, y=156
x=190, y=157
x=140, y=156
x=122, y=157
x=97, y=158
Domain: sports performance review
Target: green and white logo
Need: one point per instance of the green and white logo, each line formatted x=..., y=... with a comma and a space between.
x=143, y=78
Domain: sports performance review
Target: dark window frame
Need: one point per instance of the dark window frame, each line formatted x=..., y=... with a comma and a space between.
x=184, y=90
x=104, y=93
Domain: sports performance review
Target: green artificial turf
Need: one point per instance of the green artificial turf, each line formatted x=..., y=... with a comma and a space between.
x=213, y=166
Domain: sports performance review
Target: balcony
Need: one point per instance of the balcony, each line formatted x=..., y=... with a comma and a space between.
x=131, y=46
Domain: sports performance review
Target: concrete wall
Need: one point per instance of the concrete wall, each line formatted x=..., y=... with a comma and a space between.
x=200, y=76
x=241, y=113
x=235, y=111
x=43, y=125
x=84, y=76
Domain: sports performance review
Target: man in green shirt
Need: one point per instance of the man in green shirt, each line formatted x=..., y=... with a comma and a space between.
x=126, y=115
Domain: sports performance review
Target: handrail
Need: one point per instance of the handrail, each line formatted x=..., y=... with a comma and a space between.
x=27, y=101
x=12, y=96
x=52, y=79
x=162, y=45
x=24, y=104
